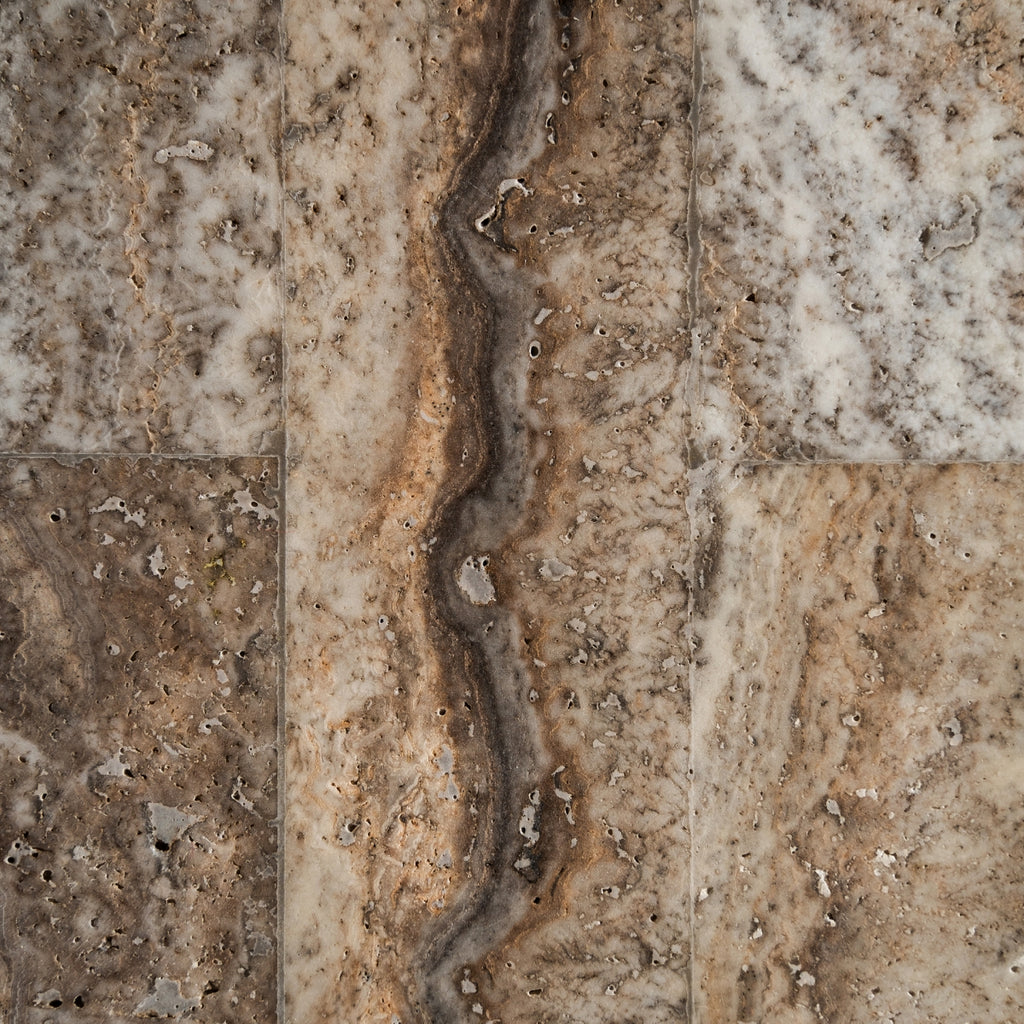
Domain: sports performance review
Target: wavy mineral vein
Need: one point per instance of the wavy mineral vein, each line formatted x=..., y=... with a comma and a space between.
x=477, y=509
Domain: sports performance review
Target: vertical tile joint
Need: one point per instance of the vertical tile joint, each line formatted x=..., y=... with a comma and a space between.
x=282, y=548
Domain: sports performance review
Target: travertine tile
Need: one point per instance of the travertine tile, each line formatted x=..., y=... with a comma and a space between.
x=140, y=203
x=862, y=216
x=138, y=767
x=860, y=767
x=489, y=550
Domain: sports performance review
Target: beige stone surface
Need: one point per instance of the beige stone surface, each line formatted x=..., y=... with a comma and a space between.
x=858, y=777
x=532, y=535
x=861, y=219
x=140, y=227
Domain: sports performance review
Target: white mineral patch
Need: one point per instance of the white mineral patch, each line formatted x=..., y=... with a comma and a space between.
x=510, y=184
x=117, y=504
x=192, y=150
x=555, y=570
x=165, y=1000
x=960, y=233
x=157, y=565
x=169, y=823
x=445, y=762
x=246, y=503
x=527, y=821
x=474, y=580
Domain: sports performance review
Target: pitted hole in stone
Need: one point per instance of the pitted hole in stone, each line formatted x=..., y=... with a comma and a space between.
x=534, y=349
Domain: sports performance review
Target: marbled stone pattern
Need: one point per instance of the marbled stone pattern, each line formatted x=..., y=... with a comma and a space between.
x=862, y=216
x=138, y=766
x=497, y=800
x=638, y=387
x=140, y=227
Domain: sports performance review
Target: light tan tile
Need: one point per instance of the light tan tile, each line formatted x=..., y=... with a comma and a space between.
x=860, y=764
x=861, y=216
x=587, y=266
x=384, y=770
x=488, y=543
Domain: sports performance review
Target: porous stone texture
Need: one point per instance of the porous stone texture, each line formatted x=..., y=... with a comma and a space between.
x=487, y=694
x=138, y=769
x=583, y=438
x=140, y=227
x=859, y=768
x=861, y=214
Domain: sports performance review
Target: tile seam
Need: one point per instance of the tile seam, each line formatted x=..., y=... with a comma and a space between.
x=282, y=454
x=810, y=463
x=282, y=545
x=169, y=456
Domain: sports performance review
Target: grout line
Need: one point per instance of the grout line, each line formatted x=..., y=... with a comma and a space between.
x=694, y=377
x=170, y=456
x=853, y=463
x=281, y=453
x=282, y=546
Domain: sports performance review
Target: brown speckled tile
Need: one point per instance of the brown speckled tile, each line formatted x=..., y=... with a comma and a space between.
x=860, y=765
x=140, y=199
x=138, y=766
